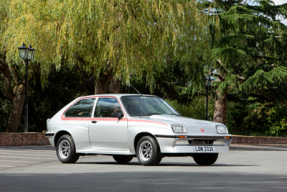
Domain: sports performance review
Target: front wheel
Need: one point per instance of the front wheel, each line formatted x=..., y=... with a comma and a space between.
x=205, y=159
x=122, y=159
x=66, y=150
x=148, y=152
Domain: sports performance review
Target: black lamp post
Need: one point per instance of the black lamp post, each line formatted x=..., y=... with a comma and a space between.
x=209, y=83
x=27, y=54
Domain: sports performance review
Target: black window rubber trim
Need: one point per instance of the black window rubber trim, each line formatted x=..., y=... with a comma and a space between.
x=166, y=136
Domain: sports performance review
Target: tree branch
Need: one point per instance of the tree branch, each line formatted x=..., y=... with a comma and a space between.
x=14, y=74
x=217, y=75
x=273, y=88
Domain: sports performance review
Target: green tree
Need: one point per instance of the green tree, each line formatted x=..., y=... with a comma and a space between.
x=13, y=87
x=250, y=56
x=106, y=41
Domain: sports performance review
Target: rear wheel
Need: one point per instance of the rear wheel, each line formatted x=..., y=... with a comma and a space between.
x=205, y=159
x=66, y=150
x=122, y=159
x=148, y=152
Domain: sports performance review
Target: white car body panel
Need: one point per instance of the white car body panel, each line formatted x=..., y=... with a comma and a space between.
x=108, y=134
x=117, y=137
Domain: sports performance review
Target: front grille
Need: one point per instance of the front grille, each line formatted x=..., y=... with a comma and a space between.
x=198, y=142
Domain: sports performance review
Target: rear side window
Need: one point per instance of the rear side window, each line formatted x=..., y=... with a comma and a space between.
x=82, y=108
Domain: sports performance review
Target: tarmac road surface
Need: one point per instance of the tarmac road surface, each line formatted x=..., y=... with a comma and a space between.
x=245, y=168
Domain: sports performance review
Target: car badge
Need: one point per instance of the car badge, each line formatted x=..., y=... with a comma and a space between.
x=202, y=130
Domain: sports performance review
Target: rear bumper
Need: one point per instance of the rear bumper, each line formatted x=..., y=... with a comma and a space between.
x=50, y=136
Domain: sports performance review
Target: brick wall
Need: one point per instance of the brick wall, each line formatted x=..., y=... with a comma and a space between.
x=240, y=139
x=18, y=139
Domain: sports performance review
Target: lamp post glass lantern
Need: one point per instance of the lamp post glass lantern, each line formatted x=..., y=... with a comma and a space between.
x=31, y=53
x=26, y=54
x=209, y=83
x=23, y=51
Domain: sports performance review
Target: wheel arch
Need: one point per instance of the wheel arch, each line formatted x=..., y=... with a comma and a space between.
x=59, y=134
x=142, y=134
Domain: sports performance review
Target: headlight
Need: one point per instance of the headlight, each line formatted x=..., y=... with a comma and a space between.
x=221, y=129
x=178, y=128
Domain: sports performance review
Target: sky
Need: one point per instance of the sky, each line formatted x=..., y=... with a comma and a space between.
x=279, y=2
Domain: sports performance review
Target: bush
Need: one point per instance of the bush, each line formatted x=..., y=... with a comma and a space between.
x=5, y=107
x=257, y=119
x=196, y=109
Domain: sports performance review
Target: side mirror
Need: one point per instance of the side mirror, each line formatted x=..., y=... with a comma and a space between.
x=117, y=114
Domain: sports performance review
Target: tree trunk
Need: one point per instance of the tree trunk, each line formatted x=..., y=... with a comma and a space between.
x=16, y=97
x=220, y=105
x=101, y=84
x=107, y=84
x=17, y=109
x=114, y=86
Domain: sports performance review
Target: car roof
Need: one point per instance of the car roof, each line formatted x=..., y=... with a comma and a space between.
x=116, y=95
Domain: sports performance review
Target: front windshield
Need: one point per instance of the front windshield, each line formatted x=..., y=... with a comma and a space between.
x=147, y=105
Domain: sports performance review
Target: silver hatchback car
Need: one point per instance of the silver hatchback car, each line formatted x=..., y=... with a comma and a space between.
x=129, y=125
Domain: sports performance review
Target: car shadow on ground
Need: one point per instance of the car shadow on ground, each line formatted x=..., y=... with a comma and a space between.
x=177, y=164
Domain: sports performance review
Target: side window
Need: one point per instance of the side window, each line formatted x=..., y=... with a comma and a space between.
x=106, y=106
x=82, y=108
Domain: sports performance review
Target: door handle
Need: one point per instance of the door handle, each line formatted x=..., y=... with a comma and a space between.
x=94, y=121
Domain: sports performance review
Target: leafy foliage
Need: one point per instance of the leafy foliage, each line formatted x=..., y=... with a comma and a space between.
x=251, y=52
x=95, y=38
x=195, y=109
x=63, y=87
x=121, y=36
x=249, y=57
x=5, y=107
x=255, y=118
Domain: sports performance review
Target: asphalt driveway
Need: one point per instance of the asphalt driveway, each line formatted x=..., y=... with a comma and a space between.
x=245, y=168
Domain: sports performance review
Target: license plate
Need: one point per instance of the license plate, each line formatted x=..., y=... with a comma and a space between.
x=204, y=149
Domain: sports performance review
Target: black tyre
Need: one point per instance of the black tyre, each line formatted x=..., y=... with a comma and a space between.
x=122, y=159
x=66, y=150
x=205, y=159
x=148, y=152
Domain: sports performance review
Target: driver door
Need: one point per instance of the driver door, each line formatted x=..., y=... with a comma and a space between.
x=108, y=133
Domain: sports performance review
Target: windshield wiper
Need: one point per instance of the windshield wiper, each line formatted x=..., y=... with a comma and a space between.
x=173, y=114
x=151, y=114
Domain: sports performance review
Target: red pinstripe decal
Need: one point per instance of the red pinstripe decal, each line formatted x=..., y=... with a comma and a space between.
x=92, y=119
x=147, y=121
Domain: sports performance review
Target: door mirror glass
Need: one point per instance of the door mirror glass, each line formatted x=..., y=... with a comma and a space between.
x=117, y=115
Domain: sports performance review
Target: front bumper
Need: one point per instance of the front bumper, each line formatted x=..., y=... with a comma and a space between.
x=174, y=145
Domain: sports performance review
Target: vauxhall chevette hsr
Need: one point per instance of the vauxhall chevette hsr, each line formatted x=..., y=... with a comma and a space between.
x=130, y=125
